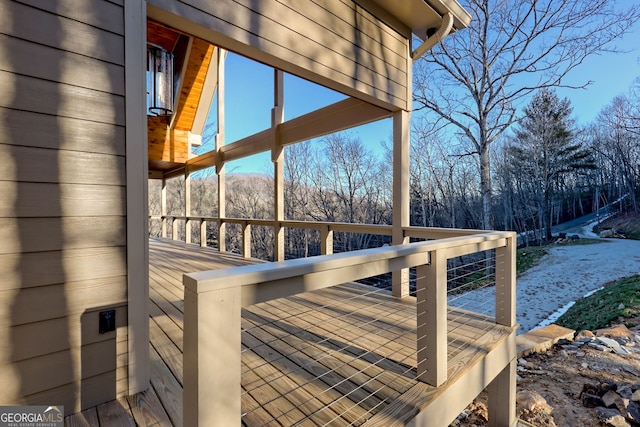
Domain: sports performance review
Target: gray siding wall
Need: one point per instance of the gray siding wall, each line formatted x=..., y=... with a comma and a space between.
x=332, y=42
x=62, y=203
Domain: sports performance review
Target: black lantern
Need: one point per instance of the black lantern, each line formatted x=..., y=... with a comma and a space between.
x=159, y=81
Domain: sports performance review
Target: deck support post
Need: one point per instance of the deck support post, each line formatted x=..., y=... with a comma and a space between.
x=502, y=390
x=220, y=172
x=431, y=306
x=501, y=399
x=326, y=240
x=212, y=366
x=401, y=146
x=277, y=157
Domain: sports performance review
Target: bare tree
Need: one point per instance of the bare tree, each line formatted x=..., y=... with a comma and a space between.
x=475, y=79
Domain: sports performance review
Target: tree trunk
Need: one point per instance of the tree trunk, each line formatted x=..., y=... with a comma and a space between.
x=485, y=187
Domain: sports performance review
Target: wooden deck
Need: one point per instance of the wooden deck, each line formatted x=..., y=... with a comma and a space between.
x=339, y=356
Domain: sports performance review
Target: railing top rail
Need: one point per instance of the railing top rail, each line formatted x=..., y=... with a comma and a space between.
x=380, y=229
x=283, y=278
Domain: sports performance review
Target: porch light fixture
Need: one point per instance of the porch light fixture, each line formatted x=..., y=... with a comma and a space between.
x=159, y=81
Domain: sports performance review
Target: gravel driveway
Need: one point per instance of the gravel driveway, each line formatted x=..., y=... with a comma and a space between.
x=565, y=275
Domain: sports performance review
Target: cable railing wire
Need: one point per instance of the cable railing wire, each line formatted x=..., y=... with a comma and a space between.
x=476, y=276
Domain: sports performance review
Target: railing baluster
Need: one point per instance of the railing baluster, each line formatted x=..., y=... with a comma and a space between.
x=326, y=240
x=203, y=232
x=174, y=229
x=431, y=306
x=246, y=239
x=187, y=230
x=222, y=236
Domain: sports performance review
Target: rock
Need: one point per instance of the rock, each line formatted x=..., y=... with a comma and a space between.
x=615, y=332
x=532, y=401
x=621, y=306
x=633, y=411
x=570, y=347
x=584, y=334
x=610, y=398
x=563, y=353
x=611, y=417
x=625, y=391
x=636, y=396
x=600, y=347
x=606, y=233
x=613, y=345
x=622, y=405
x=591, y=400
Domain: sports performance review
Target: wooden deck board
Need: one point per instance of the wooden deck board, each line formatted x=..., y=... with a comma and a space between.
x=342, y=355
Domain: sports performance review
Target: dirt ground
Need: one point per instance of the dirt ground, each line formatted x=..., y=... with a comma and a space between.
x=560, y=376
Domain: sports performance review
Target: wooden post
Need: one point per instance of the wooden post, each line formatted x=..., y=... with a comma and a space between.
x=174, y=228
x=502, y=390
x=326, y=240
x=277, y=156
x=431, y=305
x=246, y=239
x=203, y=232
x=137, y=213
x=212, y=367
x=163, y=206
x=401, y=141
x=187, y=205
x=220, y=172
x=501, y=397
x=505, y=283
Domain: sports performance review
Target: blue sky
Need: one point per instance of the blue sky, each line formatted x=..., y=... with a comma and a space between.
x=249, y=97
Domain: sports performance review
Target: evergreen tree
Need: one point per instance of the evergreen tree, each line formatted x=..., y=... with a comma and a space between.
x=544, y=150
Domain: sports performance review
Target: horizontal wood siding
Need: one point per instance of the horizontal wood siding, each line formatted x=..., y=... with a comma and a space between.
x=63, y=210
x=332, y=42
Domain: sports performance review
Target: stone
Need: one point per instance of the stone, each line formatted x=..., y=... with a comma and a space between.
x=600, y=347
x=584, y=334
x=615, y=332
x=621, y=306
x=635, y=396
x=610, y=398
x=611, y=417
x=622, y=405
x=591, y=401
x=570, y=347
x=532, y=401
x=625, y=391
x=613, y=345
x=633, y=411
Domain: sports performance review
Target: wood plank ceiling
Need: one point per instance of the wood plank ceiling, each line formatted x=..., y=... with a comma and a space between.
x=168, y=136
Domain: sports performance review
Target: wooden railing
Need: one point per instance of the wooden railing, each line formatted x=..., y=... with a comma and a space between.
x=213, y=302
x=184, y=224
